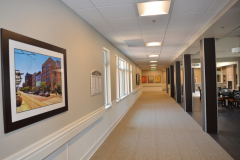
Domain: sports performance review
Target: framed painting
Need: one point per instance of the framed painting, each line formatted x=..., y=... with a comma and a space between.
x=150, y=79
x=34, y=80
x=144, y=79
x=137, y=79
x=158, y=79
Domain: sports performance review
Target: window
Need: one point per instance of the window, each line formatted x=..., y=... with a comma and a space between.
x=48, y=72
x=47, y=66
x=117, y=78
x=131, y=79
x=44, y=74
x=122, y=80
x=127, y=78
x=44, y=80
x=107, y=77
x=43, y=68
x=48, y=79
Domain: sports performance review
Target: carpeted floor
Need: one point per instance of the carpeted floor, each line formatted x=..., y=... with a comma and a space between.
x=156, y=127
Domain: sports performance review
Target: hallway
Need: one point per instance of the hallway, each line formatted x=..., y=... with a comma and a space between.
x=156, y=127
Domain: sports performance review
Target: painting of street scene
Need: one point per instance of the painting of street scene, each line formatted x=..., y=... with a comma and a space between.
x=38, y=80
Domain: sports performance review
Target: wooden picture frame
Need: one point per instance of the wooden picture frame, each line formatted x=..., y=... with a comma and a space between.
x=150, y=79
x=29, y=85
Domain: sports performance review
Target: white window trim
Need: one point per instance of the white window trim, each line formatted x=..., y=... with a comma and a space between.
x=107, y=78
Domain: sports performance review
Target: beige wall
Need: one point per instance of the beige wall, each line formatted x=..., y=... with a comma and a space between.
x=164, y=77
x=198, y=74
x=54, y=23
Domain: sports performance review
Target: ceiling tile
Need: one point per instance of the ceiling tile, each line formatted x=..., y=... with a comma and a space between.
x=218, y=5
x=186, y=6
x=180, y=26
x=153, y=28
x=177, y=33
x=153, y=49
x=156, y=39
x=134, y=43
x=208, y=16
x=76, y=4
x=100, y=25
x=186, y=17
x=101, y=3
x=130, y=36
x=117, y=12
x=123, y=23
x=161, y=20
x=137, y=49
x=90, y=14
x=133, y=30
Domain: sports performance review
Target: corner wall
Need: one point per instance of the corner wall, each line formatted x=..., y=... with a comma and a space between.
x=54, y=23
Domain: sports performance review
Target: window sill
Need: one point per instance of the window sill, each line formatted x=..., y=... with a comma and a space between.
x=108, y=106
x=118, y=100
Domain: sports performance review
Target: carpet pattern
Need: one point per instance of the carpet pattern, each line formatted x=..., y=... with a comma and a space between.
x=156, y=127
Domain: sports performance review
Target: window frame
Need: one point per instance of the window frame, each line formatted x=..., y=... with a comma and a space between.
x=107, y=77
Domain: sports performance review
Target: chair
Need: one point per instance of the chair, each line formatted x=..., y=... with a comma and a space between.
x=200, y=93
x=235, y=98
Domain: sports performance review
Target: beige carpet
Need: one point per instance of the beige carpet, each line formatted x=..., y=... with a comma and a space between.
x=156, y=127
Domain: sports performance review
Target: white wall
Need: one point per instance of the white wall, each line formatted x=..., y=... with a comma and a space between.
x=51, y=21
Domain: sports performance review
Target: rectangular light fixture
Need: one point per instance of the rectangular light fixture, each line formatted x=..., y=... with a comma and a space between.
x=153, y=44
x=153, y=65
x=153, y=8
x=153, y=61
x=153, y=55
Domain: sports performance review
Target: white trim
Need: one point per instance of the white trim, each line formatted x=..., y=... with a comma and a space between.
x=46, y=146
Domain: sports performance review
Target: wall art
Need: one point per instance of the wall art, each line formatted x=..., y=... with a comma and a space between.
x=34, y=80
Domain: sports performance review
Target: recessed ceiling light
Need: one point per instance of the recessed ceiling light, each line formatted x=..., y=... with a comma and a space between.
x=153, y=65
x=153, y=8
x=153, y=61
x=153, y=55
x=154, y=44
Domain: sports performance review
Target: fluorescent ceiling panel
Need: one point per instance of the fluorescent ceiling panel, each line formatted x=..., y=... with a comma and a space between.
x=153, y=8
x=153, y=61
x=153, y=44
x=153, y=55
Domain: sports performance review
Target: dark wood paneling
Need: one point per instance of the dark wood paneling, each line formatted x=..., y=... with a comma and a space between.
x=168, y=76
x=167, y=80
x=178, y=82
x=209, y=86
x=188, y=82
x=193, y=80
x=172, y=81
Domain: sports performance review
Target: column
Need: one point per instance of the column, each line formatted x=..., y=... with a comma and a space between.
x=172, y=81
x=178, y=82
x=193, y=80
x=209, y=85
x=187, y=70
x=167, y=80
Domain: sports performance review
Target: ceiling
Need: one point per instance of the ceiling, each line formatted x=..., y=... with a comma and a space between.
x=226, y=30
x=119, y=22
